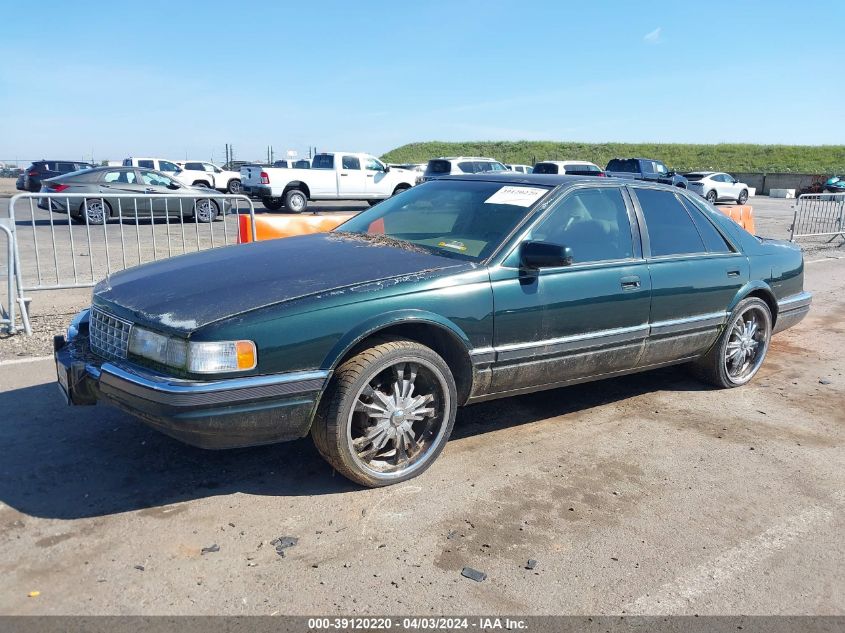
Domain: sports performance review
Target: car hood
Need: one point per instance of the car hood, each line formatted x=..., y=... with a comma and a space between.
x=185, y=293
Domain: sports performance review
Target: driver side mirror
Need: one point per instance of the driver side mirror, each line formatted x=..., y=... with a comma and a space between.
x=386, y=168
x=535, y=255
x=174, y=185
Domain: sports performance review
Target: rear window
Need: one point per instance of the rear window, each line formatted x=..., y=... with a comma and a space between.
x=582, y=170
x=439, y=166
x=694, y=177
x=65, y=167
x=281, y=164
x=323, y=161
x=628, y=165
x=546, y=168
x=468, y=166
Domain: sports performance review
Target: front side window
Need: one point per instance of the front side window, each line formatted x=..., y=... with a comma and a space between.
x=122, y=176
x=659, y=167
x=373, y=165
x=351, y=162
x=459, y=219
x=166, y=165
x=147, y=164
x=671, y=230
x=156, y=180
x=497, y=167
x=593, y=223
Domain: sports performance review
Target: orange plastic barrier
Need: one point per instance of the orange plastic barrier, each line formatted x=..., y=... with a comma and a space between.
x=741, y=214
x=271, y=227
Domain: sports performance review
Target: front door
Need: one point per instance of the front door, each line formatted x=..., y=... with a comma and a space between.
x=695, y=275
x=165, y=195
x=590, y=318
x=377, y=181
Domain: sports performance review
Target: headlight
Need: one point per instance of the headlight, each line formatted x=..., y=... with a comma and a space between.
x=194, y=357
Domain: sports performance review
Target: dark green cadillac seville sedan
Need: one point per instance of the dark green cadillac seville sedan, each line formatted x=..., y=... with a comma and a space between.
x=456, y=291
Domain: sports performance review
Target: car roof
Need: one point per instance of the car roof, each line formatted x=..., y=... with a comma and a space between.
x=568, y=162
x=492, y=160
x=703, y=173
x=553, y=180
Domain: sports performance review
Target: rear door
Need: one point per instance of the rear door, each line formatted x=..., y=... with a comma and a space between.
x=695, y=274
x=351, y=181
x=124, y=180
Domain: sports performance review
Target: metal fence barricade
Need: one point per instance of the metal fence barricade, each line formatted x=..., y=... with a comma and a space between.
x=819, y=215
x=75, y=240
x=8, y=321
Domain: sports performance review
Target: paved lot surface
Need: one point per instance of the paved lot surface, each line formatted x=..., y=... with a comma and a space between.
x=646, y=494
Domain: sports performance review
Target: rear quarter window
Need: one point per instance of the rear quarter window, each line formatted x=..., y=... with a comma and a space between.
x=546, y=168
x=439, y=166
x=627, y=165
x=323, y=161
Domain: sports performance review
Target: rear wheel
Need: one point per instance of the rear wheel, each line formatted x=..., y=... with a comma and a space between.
x=400, y=189
x=387, y=413
x=738, y=354
x=295, y=200
x=272, y=204
x=94, y=211
x=234, y=186
x=202, y=183
x=711, y=196
x=373, y=202
x=743, y=197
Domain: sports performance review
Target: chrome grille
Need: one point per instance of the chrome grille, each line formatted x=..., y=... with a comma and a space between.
x=108, y=335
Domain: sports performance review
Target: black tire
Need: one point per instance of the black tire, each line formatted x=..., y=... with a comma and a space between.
x=201, y=183
x=234, y=186
x=205, y=211
x=712, y=196
x=338, y=418
x=97, y=211
x=295, y=200
x=713, y=366
x=272, y=204
x=743, y=197
x=400, y=189
x=373, y=203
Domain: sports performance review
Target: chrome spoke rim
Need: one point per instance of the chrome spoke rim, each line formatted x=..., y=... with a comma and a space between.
x=747, y=344
x=398, y=418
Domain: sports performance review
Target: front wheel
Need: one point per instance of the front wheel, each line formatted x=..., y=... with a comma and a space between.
x=387, y=413
x=743, y=197
x=296, y=201
x=205, y=211
x=738, y=354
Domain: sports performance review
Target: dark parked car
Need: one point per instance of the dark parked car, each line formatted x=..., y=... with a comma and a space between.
x=459, y=290
x=158, y=195
x=644, y=169
x=41, y=170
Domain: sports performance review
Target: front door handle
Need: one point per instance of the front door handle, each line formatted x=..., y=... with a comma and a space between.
x=149, y=190
x=733, y=273
x=630, y=283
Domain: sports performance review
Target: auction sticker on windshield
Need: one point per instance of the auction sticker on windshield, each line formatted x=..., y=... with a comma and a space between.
x=517, y=196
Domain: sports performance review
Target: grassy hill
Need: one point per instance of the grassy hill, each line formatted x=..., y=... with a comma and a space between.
x=804, y=159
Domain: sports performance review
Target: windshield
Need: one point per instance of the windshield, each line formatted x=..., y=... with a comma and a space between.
x=456, y=218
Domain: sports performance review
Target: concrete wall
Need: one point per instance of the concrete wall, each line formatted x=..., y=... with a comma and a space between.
x=764, y=182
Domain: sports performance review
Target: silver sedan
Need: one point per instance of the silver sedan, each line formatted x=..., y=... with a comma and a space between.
x=159, y=195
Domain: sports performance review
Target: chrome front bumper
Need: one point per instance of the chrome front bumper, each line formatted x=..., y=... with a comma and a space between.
x=214, y=414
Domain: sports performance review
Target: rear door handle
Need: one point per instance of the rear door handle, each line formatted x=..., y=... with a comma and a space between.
x=630, y=283
x=344, y=175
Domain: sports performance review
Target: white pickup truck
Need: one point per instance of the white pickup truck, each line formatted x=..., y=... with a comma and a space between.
x=333, y=176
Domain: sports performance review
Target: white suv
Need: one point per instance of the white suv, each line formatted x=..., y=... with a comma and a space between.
x=460, y=165
x=572, y=167
x=167, y=167
x=204, y=174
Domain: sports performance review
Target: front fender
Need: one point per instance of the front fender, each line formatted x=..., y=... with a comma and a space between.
x=386, y=320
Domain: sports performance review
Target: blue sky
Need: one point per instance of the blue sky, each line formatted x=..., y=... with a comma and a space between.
x=183, y=78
